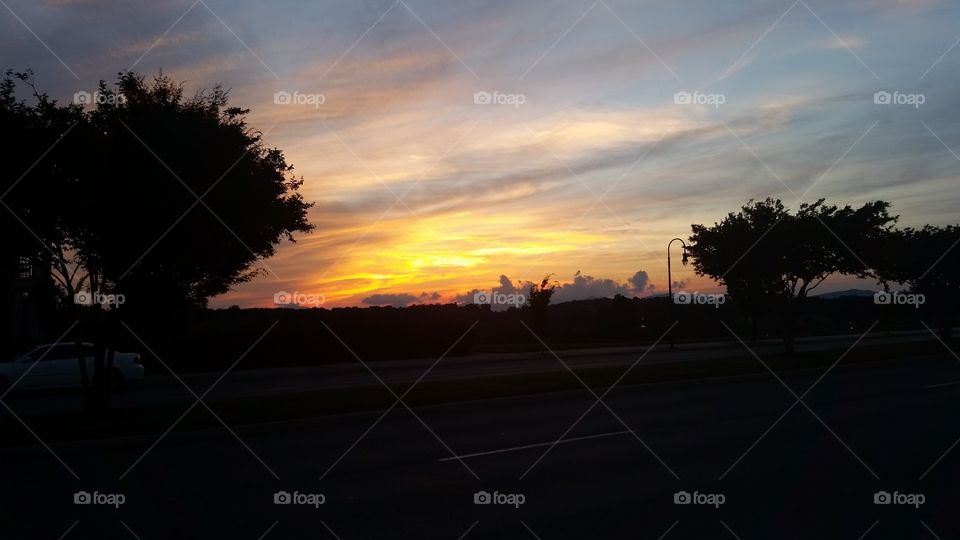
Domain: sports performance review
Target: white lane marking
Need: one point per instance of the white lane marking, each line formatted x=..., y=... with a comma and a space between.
x=536, y=445
x=942, y=384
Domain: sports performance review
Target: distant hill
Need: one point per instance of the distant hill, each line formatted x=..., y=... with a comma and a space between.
x=846, y=292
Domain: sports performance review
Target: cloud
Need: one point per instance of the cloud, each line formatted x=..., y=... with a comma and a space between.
x=429, y=297
x=486, y=189
x=847, y=42
x=506, y=289
x=586, y=287
x=583, y=287
x=401, y=299
x=640, y=282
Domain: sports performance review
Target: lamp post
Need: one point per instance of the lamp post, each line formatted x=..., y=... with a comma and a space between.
x=670, y=277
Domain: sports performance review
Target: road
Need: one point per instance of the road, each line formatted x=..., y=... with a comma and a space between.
x=786, y=468
x=164, y=388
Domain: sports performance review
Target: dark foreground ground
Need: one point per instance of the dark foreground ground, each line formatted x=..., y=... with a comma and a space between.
x=786, y=469
x=161, y=388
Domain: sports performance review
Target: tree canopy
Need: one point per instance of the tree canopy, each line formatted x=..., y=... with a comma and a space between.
x=768, y=257
x=167, y=198
x=928, y=260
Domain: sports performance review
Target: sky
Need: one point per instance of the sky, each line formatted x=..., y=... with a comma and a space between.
x=458, y=147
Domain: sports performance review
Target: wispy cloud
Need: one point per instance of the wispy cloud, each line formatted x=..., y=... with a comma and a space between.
x=491, y=190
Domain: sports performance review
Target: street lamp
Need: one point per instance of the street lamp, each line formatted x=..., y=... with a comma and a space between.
x=670, y=277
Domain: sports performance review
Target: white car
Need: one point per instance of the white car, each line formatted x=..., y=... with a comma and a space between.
x=56, y=366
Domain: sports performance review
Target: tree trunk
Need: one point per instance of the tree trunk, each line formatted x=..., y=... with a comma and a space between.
x=84, y=377
x=99, y=375
x=792, y=318
x=789, y=324
x=85, y=387
x=110, y=341
x=946, y=331
x=789, y=339
x=539, y=325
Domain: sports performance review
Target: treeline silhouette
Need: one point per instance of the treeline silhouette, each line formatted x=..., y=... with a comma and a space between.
x=212, y=340
x=770, y=259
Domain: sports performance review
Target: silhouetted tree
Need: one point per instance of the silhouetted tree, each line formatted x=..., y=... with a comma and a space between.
x=30, y=185
x=538, y=298
x=165, y=199
x=34, y=179
x=191, y=198
x=928, y=260
x=769, y=259
x=35, y=188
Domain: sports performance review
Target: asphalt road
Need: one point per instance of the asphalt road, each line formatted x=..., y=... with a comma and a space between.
x=163, y=388
x=785, y=469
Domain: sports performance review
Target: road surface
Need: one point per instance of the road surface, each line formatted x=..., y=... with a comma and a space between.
x=162, y=388
x=785, y=468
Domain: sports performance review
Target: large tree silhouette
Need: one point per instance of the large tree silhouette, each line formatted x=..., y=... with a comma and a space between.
x=184, y=199
x=928, y=260
x=33, y=192
x=770, y=259
x=166, y=199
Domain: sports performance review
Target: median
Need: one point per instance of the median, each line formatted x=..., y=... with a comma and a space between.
x=133, y=421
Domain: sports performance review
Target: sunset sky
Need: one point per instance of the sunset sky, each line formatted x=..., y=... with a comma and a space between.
x=586, y=164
